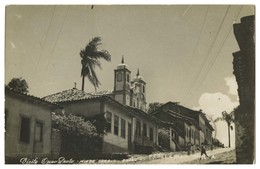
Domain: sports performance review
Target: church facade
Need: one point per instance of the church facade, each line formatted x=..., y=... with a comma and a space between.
x=129, y=92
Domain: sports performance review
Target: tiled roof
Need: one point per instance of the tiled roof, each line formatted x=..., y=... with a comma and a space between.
x=188, y=119
x=31, y=97
x=73, y=95
x=186, y=112
x=79, y=95
x=143, y=114
x=102, y=93
x=67, y=95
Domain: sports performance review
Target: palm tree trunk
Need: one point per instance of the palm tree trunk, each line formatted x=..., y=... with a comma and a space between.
x=83, y=83
x=229, y=135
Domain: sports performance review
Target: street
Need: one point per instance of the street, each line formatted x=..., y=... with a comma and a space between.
x=221, y=156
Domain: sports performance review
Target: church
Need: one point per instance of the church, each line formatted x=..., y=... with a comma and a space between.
x=131, y=129
x=130, y=93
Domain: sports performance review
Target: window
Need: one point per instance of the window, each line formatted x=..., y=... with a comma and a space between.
x=143, y=89
x=116, y=124
x=137, y=102
x=109, y=120
x=173, y=134
x=144, y=130
x=119, y=77
x=151, y=134
x=25, y=130
x=138, y=128
x=38, y=132
x=127, y=78
x=122, y=128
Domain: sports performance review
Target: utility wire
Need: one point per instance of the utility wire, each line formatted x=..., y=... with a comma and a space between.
x=197, y=78
x=48, y=29
x=201, y=30
x=215, y=58
x=55, y=43
x=198, y=40
x=207, y=56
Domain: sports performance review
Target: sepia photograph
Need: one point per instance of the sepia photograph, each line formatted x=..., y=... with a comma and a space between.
x=129, y=84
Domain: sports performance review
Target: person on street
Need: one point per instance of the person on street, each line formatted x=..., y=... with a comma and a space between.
x=188, y=148
x=203, y=151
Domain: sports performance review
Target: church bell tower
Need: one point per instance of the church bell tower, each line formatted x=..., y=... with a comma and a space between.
x=122, y=76
x=139, y=92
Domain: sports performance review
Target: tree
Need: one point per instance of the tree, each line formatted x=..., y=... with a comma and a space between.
x=19, y=85
x=79, y=137
x=229, y=118
x=90, y=59
x=164, y=138
x=217, y=143
x=153, y=106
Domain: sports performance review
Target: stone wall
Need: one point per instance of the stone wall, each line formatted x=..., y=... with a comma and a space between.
x=244, y=70
x=55, y=144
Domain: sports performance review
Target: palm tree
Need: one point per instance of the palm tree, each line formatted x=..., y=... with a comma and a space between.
x=229, y=118
x=90, y=59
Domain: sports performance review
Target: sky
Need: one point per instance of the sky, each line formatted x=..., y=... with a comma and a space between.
x=183, y=52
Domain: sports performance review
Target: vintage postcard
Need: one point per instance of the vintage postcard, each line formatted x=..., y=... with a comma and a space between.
x=130, y=84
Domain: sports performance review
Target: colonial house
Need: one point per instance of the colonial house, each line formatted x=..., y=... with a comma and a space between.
x=193, y=125
x=176, y=140
x=131, y=129
x=205, y=132
x=27, y=126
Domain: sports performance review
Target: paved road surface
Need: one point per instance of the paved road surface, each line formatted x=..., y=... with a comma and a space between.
x=182, y=159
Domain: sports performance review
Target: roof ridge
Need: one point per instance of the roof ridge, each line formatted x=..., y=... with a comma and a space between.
x=31, y=96
x=66, y=95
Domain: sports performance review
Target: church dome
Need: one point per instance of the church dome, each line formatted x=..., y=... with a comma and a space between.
x=122, y=65
x=138, y=78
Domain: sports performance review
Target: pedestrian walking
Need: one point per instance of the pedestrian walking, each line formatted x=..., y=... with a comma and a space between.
x=203, y=151
x=188, y=148
x=193, y=149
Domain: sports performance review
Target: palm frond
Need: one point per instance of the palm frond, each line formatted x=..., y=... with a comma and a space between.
x=103, y=54
x=93, y=77
x=228, y=117
x=93, y=44
x=218, y=119
x=84, y=71
x=90, y=56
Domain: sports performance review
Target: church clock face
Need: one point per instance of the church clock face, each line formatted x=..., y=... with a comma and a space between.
x=119, y=77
